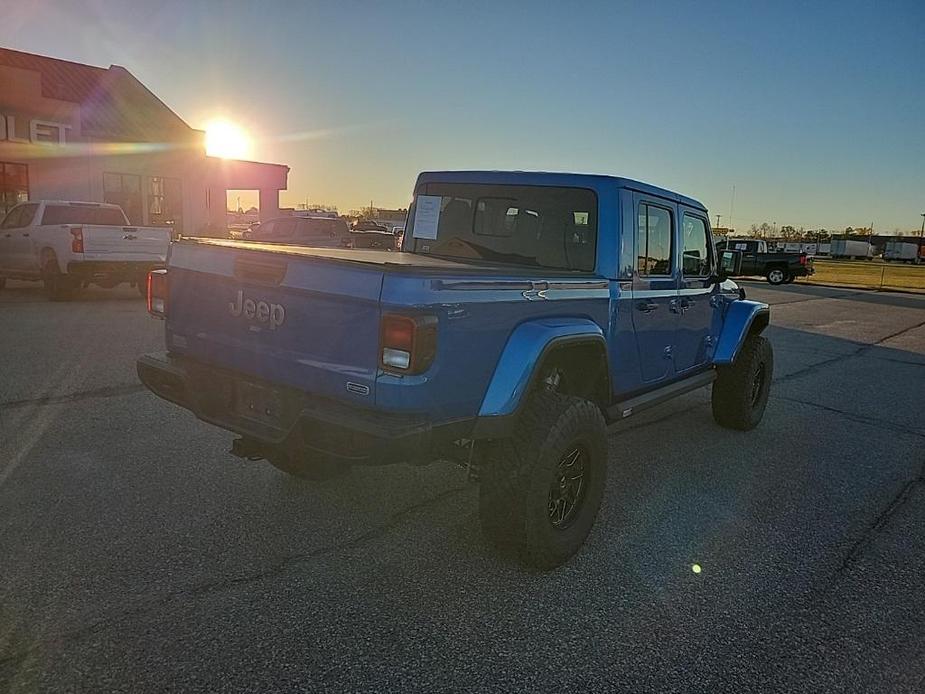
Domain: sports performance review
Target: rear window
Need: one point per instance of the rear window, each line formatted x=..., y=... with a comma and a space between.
x=77, y=214
x=533, y=226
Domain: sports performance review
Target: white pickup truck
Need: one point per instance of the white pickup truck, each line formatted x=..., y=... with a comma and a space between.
x=69, y=245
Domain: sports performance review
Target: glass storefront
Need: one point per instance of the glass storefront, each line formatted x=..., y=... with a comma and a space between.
x=14, y=185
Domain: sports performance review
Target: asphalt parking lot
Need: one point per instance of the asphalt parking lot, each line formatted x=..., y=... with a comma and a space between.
x=137, y=555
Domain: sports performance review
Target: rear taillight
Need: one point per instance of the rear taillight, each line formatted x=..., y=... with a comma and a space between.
x=157, y=293
x=802, y=260
x=408, y=343
x=77, y=240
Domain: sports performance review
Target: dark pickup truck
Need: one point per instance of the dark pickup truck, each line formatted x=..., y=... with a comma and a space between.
x=777, y=268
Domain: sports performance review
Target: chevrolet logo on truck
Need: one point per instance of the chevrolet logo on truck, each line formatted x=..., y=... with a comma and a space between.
x=261, y=311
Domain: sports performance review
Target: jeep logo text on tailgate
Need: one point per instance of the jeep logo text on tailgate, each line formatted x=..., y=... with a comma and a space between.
x=261, y=311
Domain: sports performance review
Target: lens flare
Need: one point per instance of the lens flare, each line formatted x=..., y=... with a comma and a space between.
x=227, y=140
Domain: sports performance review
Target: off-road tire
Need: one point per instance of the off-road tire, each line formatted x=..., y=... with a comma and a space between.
x=519, y=474
x=58, y=287
x=777, y=276
x=309, y=466
x=740, y=392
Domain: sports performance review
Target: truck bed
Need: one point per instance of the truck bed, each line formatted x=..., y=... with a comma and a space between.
x=384, y=260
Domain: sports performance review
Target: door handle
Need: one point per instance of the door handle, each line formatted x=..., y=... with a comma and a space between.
x=646, y=307
x=678, y=305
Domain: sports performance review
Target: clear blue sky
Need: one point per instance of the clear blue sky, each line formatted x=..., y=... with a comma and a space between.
x=814, y=111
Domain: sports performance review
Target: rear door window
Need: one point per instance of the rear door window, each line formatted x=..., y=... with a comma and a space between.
x=11, y=221
x=654, y=241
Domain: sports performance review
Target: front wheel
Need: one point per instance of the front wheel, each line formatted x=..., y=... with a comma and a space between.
x=777, y=276
x=541, y=489
x=740, y=392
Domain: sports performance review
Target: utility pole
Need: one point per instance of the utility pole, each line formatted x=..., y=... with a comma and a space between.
x=718, y=217
x=922, y=232
x=732, y=205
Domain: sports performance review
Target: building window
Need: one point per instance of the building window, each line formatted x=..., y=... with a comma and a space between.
x=165, y=203
x=124, y=190
x=14, y=185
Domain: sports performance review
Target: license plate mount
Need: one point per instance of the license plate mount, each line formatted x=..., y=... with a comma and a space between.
x=258, y=402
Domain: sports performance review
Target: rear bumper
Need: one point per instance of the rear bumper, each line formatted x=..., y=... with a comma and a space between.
x=298, y=419
x=124, y=270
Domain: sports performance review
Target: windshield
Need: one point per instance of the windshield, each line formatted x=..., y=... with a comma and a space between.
x=535, y=226
x=77, y=214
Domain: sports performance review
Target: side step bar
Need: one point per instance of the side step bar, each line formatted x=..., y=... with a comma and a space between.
x=624, y=409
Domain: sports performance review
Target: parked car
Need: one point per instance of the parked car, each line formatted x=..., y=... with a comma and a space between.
x=69, y=245
x=851, y=249
x=373, y=239
x=525, y=313
x=318, y=232
x=777, y=268
x=367, y=225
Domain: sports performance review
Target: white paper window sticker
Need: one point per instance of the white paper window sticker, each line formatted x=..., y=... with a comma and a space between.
x=426, y=216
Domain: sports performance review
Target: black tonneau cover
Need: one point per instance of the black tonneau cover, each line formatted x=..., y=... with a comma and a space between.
x=386, y=260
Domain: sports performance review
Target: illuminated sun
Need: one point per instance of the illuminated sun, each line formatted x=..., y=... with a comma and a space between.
x=227, y=140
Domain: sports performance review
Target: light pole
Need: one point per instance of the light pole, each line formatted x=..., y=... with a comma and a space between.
x=922, y=232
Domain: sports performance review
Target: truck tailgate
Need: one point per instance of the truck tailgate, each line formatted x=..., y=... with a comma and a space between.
x=125, y=243
x=291, y=320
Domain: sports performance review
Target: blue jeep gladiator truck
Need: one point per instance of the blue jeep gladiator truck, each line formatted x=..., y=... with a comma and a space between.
x=523, y=314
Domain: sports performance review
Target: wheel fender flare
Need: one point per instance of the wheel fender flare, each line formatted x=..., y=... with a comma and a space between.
x=742, y=318
x=524, y=352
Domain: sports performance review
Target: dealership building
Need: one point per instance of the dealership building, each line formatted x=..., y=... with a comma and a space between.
x=70, y=131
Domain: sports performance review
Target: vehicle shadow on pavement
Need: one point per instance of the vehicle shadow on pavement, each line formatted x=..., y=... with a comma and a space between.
x=804, y=291
x=17, y=292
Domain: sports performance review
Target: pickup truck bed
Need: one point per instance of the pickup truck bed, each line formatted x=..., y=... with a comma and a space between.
x=388, y=260
x=324, y=339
